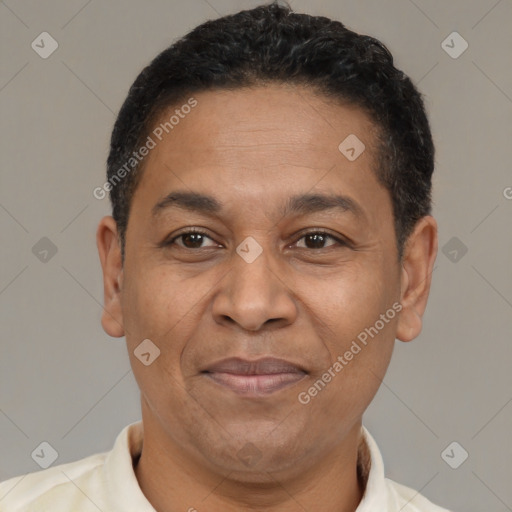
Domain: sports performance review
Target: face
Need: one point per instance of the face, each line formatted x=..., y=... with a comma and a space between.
x=253, y=238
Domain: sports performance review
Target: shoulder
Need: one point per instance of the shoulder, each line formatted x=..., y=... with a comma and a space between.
x=410, y=500
x=43, y=490
x=384, y=494
x=103, y=481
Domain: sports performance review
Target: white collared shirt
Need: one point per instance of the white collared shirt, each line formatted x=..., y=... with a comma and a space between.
x=107, y=482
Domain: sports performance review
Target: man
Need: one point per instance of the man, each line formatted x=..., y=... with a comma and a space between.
x=270, y=176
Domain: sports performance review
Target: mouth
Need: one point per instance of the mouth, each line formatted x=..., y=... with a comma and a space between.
x=255, y=378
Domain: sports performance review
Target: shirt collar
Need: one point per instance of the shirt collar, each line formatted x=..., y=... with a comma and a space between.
x=122, y=485
x=370, y=461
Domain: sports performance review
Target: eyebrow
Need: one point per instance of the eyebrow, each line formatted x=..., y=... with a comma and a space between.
x=301, y=204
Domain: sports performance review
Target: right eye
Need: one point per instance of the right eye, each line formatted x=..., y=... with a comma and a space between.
x=190, y=239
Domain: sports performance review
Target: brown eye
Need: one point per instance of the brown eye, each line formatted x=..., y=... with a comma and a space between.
x=317, y=240
x=191, y=240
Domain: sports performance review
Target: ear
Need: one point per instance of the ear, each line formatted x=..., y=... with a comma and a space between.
x=418, y=261
x=109, y=251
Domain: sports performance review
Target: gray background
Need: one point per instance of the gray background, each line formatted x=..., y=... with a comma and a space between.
x=63, y=380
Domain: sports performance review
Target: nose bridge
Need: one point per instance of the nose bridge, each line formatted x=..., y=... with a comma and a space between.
x=252, y=272
x=253, y=292
x=252, y=265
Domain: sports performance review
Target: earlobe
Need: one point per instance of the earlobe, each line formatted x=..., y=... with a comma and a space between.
x=419, y=256
x=111, y=262
x=409, y=324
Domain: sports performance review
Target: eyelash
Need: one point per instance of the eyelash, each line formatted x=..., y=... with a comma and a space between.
x=196, y=231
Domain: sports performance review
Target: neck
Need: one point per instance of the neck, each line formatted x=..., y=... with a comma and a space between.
x=173, y=480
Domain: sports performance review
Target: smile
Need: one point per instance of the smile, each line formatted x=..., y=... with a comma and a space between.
x=261, y=377
x=256, y=384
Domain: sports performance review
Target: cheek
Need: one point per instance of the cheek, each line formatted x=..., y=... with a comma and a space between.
x=156, y=302
x=157, y=306
x=357, y=307
x=353, y=298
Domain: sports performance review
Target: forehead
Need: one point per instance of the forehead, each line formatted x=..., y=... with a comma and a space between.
x=261, y=143
x=288, y=122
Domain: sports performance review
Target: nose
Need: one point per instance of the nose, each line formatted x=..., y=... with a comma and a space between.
x=254, y=295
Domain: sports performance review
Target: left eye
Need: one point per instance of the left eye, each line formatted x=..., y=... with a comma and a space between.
x=317, y=240
x=312, y=240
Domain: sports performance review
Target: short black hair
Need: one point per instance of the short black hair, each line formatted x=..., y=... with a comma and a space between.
x=273, y=44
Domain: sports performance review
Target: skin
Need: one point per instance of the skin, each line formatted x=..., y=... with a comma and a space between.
x=252, y=149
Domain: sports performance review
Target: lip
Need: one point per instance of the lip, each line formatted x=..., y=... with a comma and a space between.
x=259, y=377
